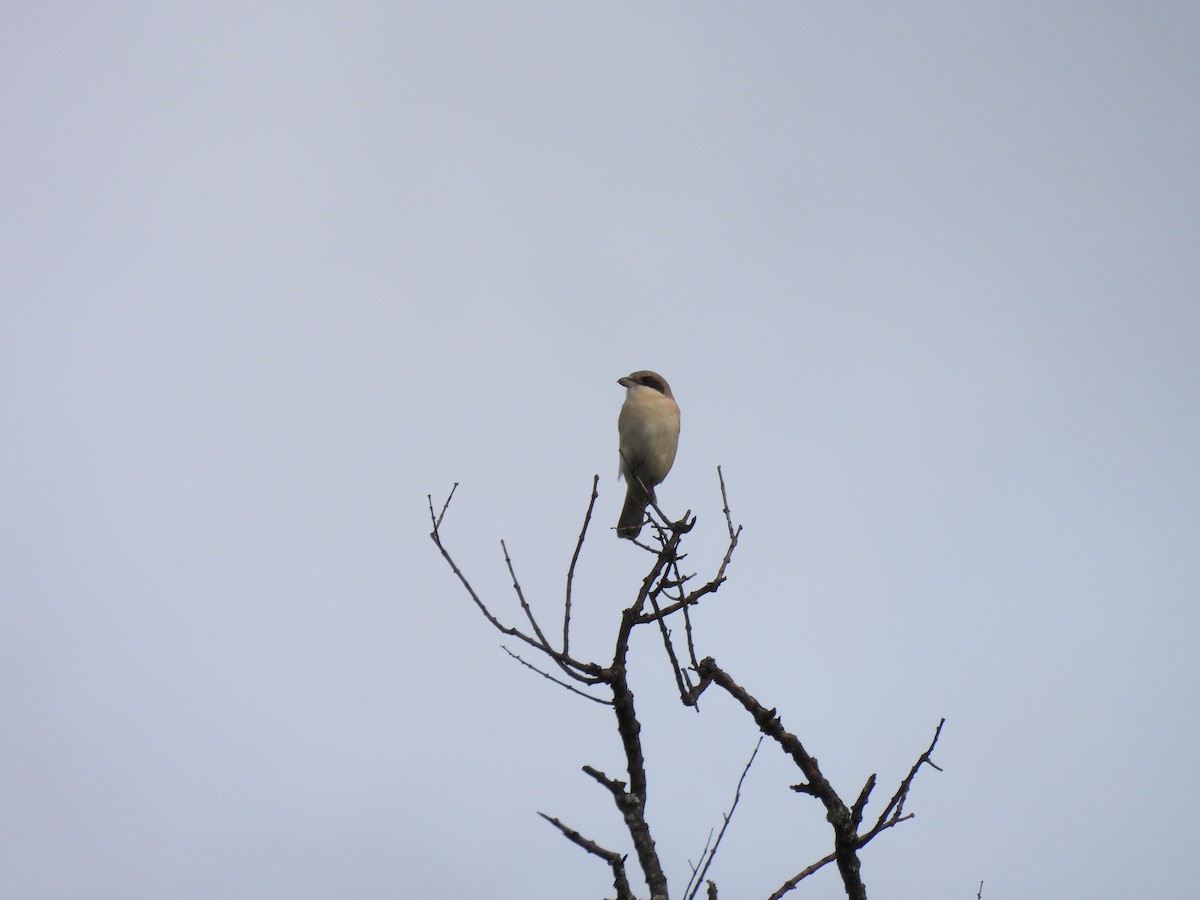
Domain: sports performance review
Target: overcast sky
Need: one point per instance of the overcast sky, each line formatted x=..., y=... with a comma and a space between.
x=925, y=279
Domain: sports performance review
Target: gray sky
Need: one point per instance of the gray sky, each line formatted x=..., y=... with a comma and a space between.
x=924, y=279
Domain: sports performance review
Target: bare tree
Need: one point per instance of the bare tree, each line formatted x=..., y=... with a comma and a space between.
x=667, y=594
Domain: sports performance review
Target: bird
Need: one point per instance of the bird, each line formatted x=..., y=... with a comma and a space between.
x=649, y=429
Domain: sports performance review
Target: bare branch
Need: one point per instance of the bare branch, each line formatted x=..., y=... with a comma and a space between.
x=436, y=537
x=615, y=787
x=680, y=676
x=632, y=808
x=693, y=697
x=856, y=811
x=667, y=526
x=675, y=588
x=615, y=860
x=728, y=817
x=437, y=522
x=521, y=596
x=844, y=837
x=574, y=690
x=711, y=587
x=725, y=509
x=801, y=875
x=890, y=823
x=587, y=518
x=584, y=672
x=632, y=803
x=893, y=813
x=695, y=867
x=768, y=722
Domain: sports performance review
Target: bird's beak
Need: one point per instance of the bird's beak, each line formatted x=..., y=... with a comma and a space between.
x=624, y=382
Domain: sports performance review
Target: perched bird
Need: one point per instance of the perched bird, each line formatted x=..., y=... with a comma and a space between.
x=649, y=429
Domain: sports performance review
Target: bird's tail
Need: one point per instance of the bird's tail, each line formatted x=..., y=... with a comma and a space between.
x=634, y=511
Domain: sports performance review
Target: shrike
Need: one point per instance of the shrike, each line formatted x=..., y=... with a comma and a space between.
x=649, y=429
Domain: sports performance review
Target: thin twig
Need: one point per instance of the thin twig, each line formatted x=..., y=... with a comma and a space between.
x=677, y=585
x=895, y=807
x=666, y=636
x=691, y=643
x=725, y=506
x=801, y=875
x=521, y=596
x=692, y=598
x=615, y=860
x=437, y=522
x=545, y=644
x=587, y=518
x=584, y=672
x=574, y=690
x=737, y=795
x=436, y=536
x=695, y=867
